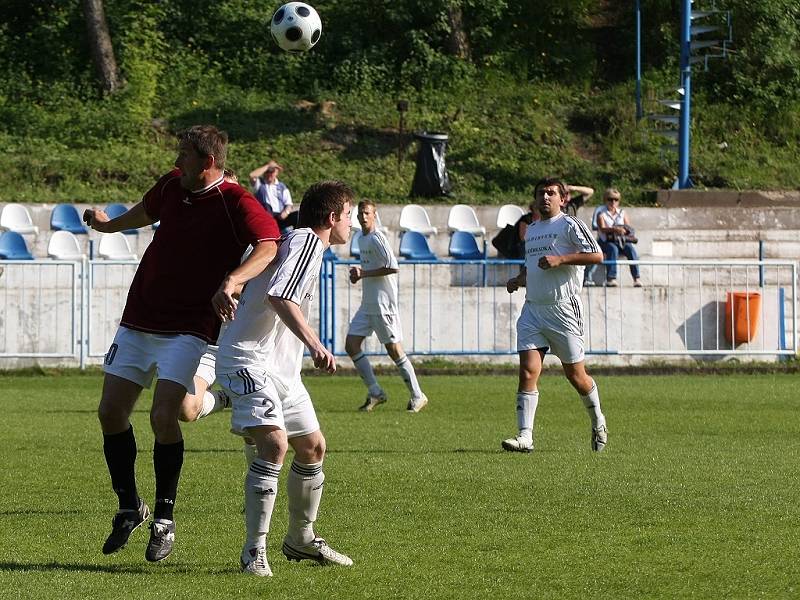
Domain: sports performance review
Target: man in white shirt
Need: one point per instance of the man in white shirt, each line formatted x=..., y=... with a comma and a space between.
x=378, y=312
x=258, y=366
x=273, y=194
x=556, y=249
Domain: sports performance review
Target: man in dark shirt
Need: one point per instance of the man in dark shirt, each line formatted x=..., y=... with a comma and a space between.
x=173, y=311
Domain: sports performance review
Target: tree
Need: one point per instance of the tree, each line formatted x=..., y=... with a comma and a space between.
x=100, y=45
x=458, y=43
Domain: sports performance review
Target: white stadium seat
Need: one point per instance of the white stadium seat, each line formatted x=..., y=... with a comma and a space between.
x=63, y=245
x=415, y=218
x=463, y=218
x=114, y=246
x=16, y=217
x=508, y=214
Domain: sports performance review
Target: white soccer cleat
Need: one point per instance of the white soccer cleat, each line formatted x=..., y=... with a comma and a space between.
x=254, y=562
x=417, y=404
x=518, y=444
x=317, y=550
x=373, y=401
x=599, y=438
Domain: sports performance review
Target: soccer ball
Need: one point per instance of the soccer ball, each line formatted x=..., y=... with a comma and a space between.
x=296, y=27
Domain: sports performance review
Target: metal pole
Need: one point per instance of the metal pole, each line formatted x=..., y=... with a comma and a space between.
x=639, y=110
x=686, y=104
x=761, y=263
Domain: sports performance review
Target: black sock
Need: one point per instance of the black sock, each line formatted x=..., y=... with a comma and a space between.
x=120, y=452
x=167, y=460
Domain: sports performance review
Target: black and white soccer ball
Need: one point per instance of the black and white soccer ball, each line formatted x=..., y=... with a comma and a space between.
x=296, y=27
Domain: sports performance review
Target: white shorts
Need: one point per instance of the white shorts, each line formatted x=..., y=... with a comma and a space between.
x=558, y=327
x=207, y=366
x=255, y=402
x=138, y=357
x=386, y=327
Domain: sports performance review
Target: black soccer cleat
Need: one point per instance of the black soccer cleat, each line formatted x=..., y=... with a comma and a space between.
x=123, y=525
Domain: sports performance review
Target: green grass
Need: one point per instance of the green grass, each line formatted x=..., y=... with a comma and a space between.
x=696, y=495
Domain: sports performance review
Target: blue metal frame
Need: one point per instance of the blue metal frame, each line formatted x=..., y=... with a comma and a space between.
x=684, y=131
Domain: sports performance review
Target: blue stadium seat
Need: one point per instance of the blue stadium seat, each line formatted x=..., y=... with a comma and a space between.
x=65, y=217
x=464, y=246
x=414, y=246
x=329, y=254
x=355, y=249
x=115, y=210
x=13, y=247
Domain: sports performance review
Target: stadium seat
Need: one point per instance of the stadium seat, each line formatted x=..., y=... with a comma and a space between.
x=463, y=218
x=114, y=246
x=508, y=214
x=13, y=247
x=63, y=245
x=415, y=218
x=16, y=217
x=355, y=249
x=65, y=217
x=414, y=246
x=464, y=246
x=115, y=210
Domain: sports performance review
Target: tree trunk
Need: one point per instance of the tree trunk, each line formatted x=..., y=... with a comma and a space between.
x=100, y=45
x=458, y=43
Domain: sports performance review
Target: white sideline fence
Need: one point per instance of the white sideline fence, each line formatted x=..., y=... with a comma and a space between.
x=66, y=312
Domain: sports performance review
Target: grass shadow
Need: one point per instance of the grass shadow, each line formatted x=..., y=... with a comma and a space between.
x=250, y=125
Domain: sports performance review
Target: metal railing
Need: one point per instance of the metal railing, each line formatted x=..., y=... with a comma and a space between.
x=70, y=309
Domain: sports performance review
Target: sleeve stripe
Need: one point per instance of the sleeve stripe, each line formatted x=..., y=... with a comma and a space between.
x=306, y=254
x=582, y=228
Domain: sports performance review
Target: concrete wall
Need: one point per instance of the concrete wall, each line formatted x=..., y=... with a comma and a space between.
x=453, y=308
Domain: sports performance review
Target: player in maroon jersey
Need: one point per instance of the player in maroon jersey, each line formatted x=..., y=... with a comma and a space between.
x=183, y=286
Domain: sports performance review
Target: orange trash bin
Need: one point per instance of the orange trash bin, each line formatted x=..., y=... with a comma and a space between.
x=742, y=312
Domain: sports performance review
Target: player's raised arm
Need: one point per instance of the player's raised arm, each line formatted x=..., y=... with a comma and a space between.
x=135, y=218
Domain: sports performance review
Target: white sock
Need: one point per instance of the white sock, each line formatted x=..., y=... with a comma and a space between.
x=213, y=402
x=526, y=411
x=260, y=490
x=592, y=403
x=250, y=453
x=364, y=369
x=304, y=490
x=409, y=376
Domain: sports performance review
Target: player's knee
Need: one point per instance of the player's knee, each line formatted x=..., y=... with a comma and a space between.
x=352, y=346
x=111, y=417
x=188, y=411
x=312, y=450
x=163, y=420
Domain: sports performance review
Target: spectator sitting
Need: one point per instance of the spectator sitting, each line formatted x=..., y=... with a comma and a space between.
x=274, y=195
x=589, y=271
x=615, y=229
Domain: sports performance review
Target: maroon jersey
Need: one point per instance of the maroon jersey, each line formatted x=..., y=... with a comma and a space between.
x=201, y=238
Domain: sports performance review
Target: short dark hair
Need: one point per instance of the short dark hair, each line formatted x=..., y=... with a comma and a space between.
x=322, y=199
x=548, y=181
x=207, y=140
x=367, y=202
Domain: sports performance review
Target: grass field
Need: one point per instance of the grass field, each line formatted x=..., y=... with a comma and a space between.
x=696, y=495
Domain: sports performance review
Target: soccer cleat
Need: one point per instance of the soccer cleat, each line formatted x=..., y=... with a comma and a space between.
x=162, y=537
x=518, y=444
x=123, y=525
x=599, y=438
x=372, y=401
x=417, y=404
x=254, y=562
x=317, y=550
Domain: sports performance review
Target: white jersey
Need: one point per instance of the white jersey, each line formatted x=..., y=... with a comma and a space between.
x=607, y=219
x=557, y=236
x=379, y=294
x=257, y=337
